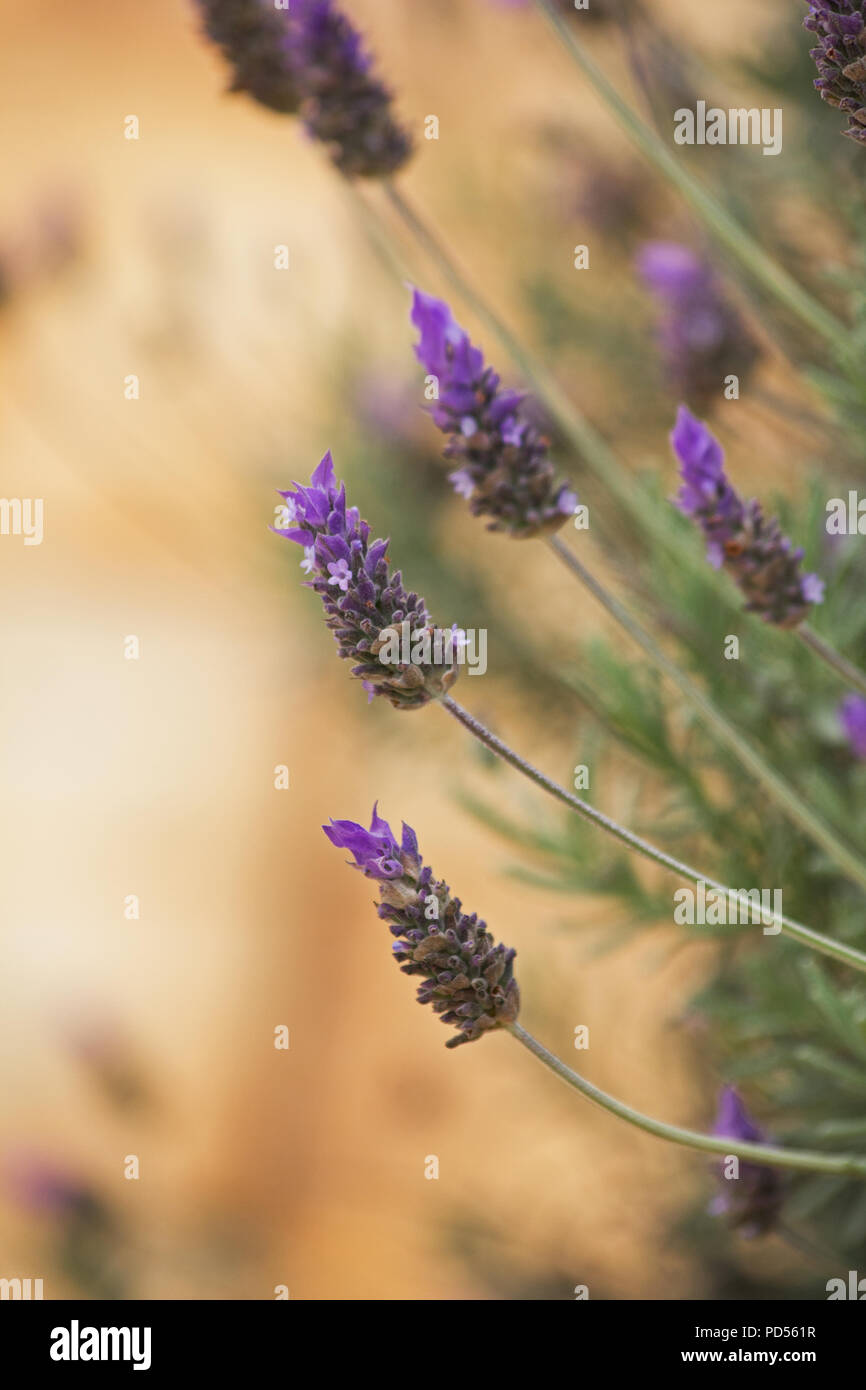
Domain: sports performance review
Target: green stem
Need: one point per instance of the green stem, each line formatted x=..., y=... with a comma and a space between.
x=840, y=664
x=846, y=1165
x=724, y=227
x=805, y=935
x=782, y=792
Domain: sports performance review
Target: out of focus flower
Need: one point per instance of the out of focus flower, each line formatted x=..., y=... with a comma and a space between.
x=752, y=1201
x=343, y=104
x=375, y=622
x=468, y=978
x=503, y=464
x=840, y=57
x=309, y=58
x=86, y=1238
x=701, y=336
x=107, y=1055
x=852, y=716
x=252, y=36
x=758, y=557
x=45, y=1188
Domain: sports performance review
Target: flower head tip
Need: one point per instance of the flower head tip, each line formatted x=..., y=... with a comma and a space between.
x=502, y=462
x=467, y=977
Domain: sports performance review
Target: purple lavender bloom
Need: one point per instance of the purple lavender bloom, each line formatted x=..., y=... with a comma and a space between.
x=503, y=466
x=840, y=57
x=43, y=1187
x=758, y=557
x=701, y=337
x=751, y=1202
x=852, y=716
x=375, y=622
x=252, y=36
x=343, y=104
x=468, y=978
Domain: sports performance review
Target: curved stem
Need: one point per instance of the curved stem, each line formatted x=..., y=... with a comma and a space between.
x=847, y=1165
x=782, y=792
x=726, y=229
x=805, y=935
x=840, y=664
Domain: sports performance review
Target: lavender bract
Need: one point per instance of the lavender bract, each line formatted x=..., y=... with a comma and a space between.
x=852, y=716
x=752, y=1201
x=504, y=468
x=701, y=337
x=468, y=978
x=343, y=104
x=758, y=557
x=840, y=57
x=252, y=36
x=366, y=606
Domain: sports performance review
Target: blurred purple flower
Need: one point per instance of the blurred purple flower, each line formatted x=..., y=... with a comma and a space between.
x=468, y=978
x=753, y=550
x=504, y=468
x=309, y=58
x=701, y=337
x=840, y=57
x=751, y=1202
x=252, y=36
x=344, y=106
x=852, y=716
x=43, y=1187
x=365, y=604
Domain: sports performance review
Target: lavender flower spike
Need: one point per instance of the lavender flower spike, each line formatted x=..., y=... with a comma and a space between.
x=375, y=622
x=852, y=716
x=503, y=466
x=252, y=36
x=701, y=337
x=840, y=57
x=344, y=105
x=467, y=977
x=753, y=550
x=751, y=1202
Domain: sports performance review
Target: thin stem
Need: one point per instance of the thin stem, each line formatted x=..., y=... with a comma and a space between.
x=805, y=935
x=591, y=446
x=725, y=228
x=847, y=1165
x=782, y=792
x=840, y=664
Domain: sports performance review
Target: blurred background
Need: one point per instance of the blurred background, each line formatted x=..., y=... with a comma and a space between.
x=153, y=1035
